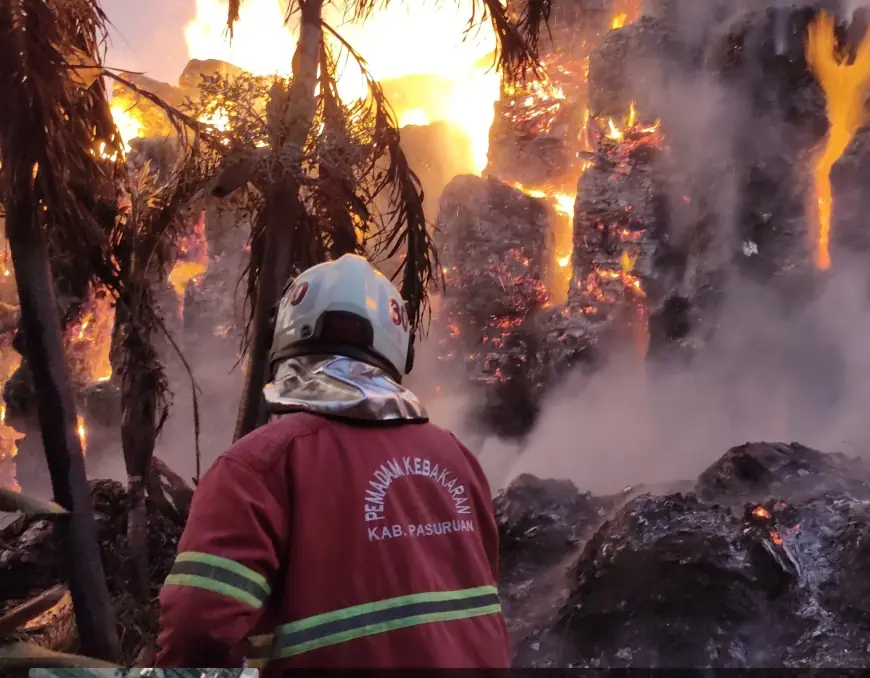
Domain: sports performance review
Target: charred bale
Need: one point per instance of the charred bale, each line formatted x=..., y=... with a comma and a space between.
x=849, y=177
x=793, y=472
x=495, y=249
x=437, y=152
x=628, y=60
x=672, y=582
x=542, y=524
x=760, y=60
x=619, y=229
x=197, y=69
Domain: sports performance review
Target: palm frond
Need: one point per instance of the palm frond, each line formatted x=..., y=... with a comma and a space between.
x=382, y=170
x=29, y=655
x=61, y=130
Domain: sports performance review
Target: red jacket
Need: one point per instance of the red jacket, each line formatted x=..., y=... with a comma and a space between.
x=317, y=543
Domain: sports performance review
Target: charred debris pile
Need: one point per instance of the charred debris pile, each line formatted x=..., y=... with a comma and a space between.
x=664, y=158
x=762, y=561
x=32, y=569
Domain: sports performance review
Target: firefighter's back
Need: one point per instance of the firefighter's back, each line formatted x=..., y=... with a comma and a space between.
x=393, y=551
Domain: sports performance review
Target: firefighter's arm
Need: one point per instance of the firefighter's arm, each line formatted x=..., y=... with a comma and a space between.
x=224, y=572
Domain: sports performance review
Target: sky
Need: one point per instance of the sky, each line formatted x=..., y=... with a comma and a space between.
x=149, y=36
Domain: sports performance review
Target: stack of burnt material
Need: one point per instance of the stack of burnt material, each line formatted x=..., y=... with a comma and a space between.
x=762, y=561
x=618, y=223
x=494, y=253
x=665, y=213
x=538, y=126
x=152, y=118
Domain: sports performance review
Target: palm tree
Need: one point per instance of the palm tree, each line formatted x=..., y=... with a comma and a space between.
x=303, y=119
x=59, y=195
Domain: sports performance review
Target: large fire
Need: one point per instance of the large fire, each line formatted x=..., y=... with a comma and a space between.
x=128, y=122
x=846, y=87
x=433, y=74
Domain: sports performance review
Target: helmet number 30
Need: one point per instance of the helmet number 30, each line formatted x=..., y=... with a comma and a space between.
x=297, y=293
x=399, y=314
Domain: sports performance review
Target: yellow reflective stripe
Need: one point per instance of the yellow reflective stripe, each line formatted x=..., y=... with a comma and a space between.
x=220, y=575
x=381, y=616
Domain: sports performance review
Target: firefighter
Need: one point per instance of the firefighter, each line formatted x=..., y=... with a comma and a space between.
x=349, y=531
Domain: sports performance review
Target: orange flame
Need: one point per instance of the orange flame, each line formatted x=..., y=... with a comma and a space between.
x=619, y=20
x=9, y=437
x=625, y=12
x=761, y=512
x=845, y=86
x=89, y=340
x=82, y=432
x=440, y=76
x=192, y=260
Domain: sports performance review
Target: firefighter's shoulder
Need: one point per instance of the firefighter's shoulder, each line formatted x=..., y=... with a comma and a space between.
x=264, y=446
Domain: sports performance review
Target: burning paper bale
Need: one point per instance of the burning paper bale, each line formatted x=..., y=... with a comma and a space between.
x=617, y=224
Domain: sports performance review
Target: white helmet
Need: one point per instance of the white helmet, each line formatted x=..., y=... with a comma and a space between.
x=345, y=307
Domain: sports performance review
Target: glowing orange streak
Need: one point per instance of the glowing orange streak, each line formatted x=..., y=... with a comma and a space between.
x=845, y=87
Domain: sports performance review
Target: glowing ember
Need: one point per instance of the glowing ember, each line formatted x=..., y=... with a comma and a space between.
x=845, y=86
x=619, y=20
x=761, y=512
x=429, y=38
x=775, y=538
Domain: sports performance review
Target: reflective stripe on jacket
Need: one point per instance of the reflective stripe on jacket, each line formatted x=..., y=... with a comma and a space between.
x=368, y=619
x=315, y=543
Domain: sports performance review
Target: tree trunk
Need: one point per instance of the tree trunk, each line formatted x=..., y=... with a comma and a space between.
x=290, y=132
x=57, y=419
x=140, y=386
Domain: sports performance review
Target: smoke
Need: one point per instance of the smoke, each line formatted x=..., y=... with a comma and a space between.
x=771, y=374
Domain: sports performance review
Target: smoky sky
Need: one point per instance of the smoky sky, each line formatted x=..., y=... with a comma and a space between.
x=149, y=36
